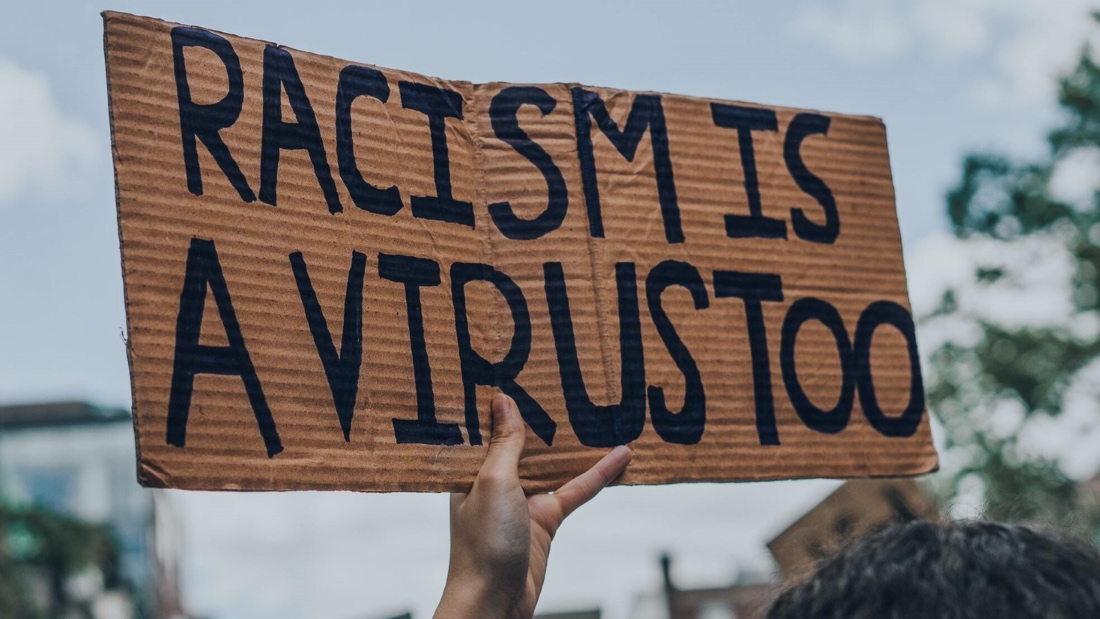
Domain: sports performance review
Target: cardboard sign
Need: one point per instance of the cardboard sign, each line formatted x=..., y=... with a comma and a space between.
x=330, y=267
x=857, y=508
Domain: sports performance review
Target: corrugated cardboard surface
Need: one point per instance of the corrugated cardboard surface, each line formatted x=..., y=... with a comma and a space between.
x=159, y=217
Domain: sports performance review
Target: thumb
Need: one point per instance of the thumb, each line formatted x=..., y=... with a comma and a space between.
x=506, y=443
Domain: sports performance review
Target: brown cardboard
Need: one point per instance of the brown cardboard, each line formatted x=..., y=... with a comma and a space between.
x=858, y=507
x=164, y=217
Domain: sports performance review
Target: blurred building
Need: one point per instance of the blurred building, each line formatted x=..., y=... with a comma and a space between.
x=746, y=598
x=571, y=614
x=390, y=615
x=856, y=508
x=576, y=614
x=78, y=459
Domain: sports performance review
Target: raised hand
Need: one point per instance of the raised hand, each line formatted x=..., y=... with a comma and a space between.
x=500, y=538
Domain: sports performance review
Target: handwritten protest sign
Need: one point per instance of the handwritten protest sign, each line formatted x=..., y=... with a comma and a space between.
x=330, y=267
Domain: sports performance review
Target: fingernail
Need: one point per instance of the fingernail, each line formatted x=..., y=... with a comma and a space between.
x=623, y=451
x=500, y=403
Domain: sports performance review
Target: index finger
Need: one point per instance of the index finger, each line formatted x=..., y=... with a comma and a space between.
x=588, y=484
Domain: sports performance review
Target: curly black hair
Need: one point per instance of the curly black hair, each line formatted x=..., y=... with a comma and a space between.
x=969, y=570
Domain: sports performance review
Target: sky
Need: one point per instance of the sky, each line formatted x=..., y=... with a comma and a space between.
x=948, y=77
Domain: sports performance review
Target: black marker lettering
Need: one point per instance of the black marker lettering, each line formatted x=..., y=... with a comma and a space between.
x=879, y=313
x=358, y=82
x=416, y=273
x=596, y=425
x=438, y=105
x=826, y=421
x=685, y=427
x=341, y=368
x=801, y=126
x=280, y=73
x=502, y=113
x=191, y=357
x=203, y=122
x=746, y=120
x=476, y=370
x=753, y=289
x=646, y=111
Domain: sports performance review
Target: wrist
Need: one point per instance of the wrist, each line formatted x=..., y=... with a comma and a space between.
x=474, y=597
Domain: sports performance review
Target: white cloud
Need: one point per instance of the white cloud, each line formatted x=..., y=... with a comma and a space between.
x=861, y=29
x=1028, y=43
x=957, y=27
x=40, y=147
x=1034, y=291
x=1075, y=177
x=1070, y=437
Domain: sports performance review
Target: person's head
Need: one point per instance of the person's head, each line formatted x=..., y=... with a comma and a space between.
x=919, y=570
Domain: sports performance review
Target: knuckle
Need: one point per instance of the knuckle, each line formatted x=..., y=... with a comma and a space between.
x=492, y=479
x=506, y=432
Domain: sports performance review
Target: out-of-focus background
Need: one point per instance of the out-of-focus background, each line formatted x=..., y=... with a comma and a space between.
x=993, y=113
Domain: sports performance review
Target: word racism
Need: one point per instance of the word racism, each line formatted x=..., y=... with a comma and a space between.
x=614, y=203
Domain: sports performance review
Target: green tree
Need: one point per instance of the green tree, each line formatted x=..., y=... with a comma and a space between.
x=1006, y=381
x=43, y=550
